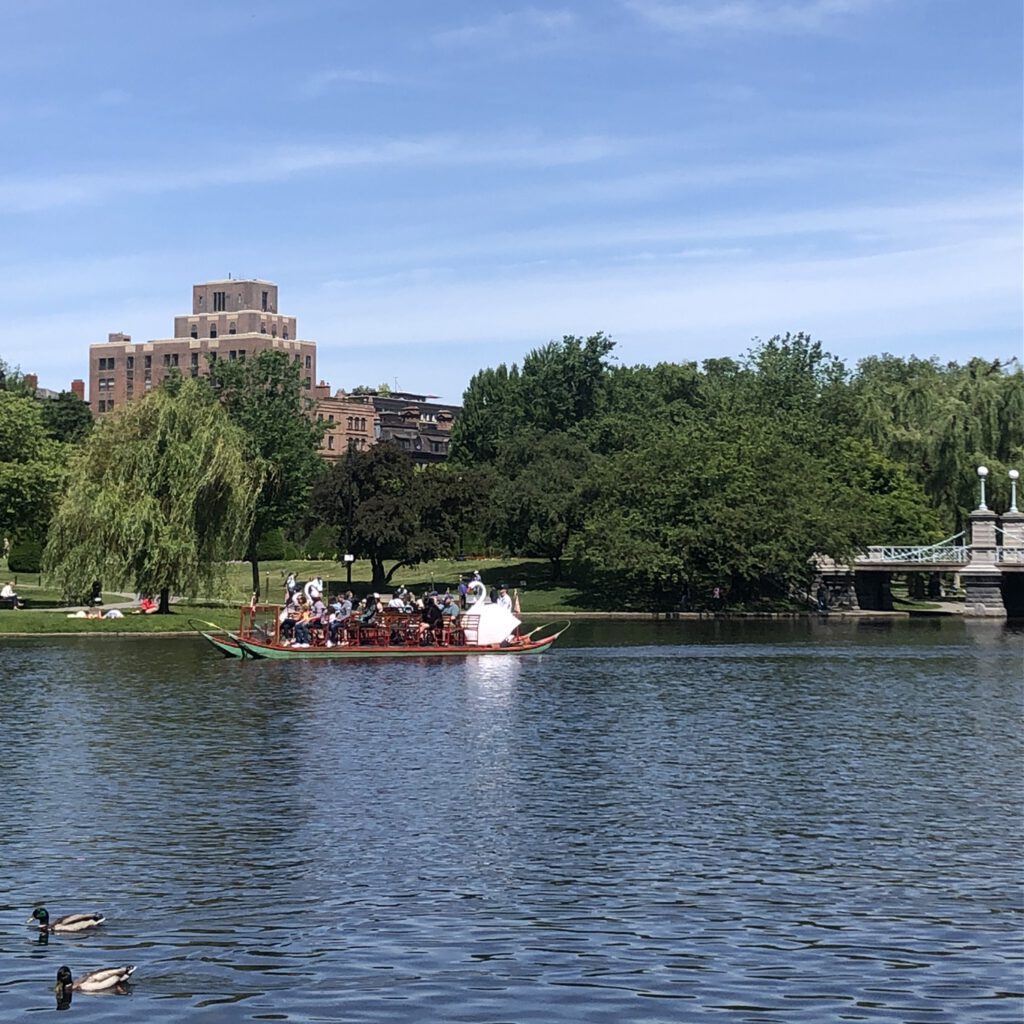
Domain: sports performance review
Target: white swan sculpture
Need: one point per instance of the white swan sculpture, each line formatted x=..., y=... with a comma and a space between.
x=496, y=624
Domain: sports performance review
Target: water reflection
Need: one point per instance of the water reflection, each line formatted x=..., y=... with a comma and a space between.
x=803, y=824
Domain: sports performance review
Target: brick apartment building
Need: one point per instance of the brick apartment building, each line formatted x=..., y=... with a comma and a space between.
x=413, y=422
x=229, y=320
x=239, y=319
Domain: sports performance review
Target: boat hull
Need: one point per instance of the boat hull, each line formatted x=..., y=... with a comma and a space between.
x=228, y=645
x=273, y=652
x=263, y=642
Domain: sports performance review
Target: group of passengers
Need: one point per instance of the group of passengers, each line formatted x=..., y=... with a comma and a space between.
x=309, y=618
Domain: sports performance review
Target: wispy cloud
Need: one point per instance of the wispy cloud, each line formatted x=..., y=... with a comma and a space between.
x=30, y=194
x=323, y=81
x=530, y=25
x=746, y=15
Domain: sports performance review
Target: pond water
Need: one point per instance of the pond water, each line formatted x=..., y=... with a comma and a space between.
x=769, y=822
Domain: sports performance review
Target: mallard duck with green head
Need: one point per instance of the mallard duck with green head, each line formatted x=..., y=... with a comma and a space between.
x=68, y=923
x=94, y=981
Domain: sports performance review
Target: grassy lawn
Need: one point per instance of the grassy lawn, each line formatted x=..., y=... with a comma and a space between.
x=28, y=621
x=539, y=593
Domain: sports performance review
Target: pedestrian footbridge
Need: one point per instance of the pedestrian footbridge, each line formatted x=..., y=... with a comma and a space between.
x=986, y=562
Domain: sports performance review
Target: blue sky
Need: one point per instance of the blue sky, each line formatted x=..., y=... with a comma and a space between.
x=441, y=187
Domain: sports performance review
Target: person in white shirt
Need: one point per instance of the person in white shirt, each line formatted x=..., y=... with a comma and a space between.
x=504, y=601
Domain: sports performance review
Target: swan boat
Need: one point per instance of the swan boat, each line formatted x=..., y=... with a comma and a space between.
x=484, y=629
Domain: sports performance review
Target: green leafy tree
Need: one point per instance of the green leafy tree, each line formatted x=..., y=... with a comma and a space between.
x=265, y=397
x=491, y=412
x=67, y=417
x=13, y=380
x=562, y=384
x=942, y=421
x=160, y=495
x=385, y=510
x=32, y=467
x=538, y=501
x=560, y=388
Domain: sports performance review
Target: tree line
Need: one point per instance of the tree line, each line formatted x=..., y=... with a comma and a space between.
x=640, y=483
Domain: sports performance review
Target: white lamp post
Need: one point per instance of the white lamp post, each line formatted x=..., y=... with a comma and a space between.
x=1014, y=477
x=982, y=473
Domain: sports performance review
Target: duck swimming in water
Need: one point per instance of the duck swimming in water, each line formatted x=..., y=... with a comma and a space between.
x=94, y=981
x=68, y=923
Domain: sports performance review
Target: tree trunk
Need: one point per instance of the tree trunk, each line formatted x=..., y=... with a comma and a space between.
x=165, y=602
x=377, y=583
x=255, y=576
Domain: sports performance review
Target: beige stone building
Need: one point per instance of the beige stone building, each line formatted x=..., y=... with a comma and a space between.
x=229, y=320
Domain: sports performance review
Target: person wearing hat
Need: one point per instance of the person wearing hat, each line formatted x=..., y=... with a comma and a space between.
x=504, y=601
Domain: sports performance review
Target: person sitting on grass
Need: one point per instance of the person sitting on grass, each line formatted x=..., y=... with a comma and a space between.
x=147, y=605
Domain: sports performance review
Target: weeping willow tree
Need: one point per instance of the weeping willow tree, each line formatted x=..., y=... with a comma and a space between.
x=159, y=497
x=942, y=421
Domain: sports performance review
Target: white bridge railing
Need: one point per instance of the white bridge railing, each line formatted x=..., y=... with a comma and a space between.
x=943, y=551
x=1011, y=556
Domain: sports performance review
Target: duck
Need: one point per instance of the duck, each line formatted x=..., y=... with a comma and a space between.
x=68, y=923
x=94, y=981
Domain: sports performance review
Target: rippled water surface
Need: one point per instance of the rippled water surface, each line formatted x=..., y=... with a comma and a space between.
x=685, y=822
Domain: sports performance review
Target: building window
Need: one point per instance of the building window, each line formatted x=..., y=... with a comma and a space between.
x=349, y=423
x=231, y=328
x=330, y=417
x=213, y=330
x=273, y=330
x=220, y=302
x=309, y=362
x=130, y=362
x=194, y=359
x=284, y=334
x=330, y=442
x=194, y=332
x=167, y=360
x=263, y=306
x=307, y=383
x=297, y=359
x=232, y=354
x=241, y=355
x=263, y=327
x=148, y=361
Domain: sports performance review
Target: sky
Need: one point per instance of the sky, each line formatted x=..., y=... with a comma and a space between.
x=438, y=188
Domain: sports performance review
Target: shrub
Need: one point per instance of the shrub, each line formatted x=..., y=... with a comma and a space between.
x=26, y=555
x=322, y=543
x=271, y=547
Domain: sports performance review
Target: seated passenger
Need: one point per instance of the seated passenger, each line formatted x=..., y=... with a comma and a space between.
x=430, y=630
x=340, y=618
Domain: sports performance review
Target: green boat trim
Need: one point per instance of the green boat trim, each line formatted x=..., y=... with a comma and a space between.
x=228, y=644
x=278, y=652
x=263, y=641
